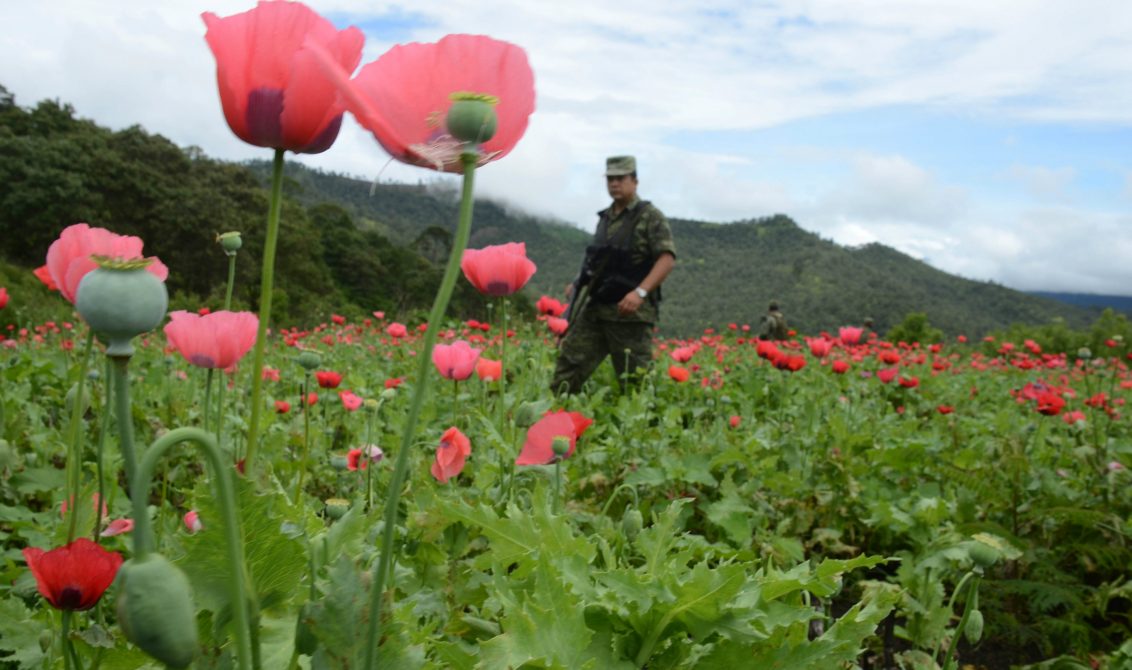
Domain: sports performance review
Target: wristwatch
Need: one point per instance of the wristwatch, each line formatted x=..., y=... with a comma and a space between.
x=641, y=292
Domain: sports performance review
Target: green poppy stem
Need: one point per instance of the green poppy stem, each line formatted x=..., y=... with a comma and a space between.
x=208, y=395
x=424, y=361
x=304, y=404
x=74, y=445
x=222, y=481
x=266, y=286
x=972, y=592
x=231, y=281
x=103, y=427
x=125, y=419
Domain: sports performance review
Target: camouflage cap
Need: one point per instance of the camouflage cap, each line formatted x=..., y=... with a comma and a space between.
x=616, y=166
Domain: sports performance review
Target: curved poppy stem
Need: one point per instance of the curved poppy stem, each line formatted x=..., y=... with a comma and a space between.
x=74, y=450
x=266, y=286
x=222, y=481
x=424, y=361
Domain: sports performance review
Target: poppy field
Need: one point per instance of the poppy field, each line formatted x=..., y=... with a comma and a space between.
x=207, y=488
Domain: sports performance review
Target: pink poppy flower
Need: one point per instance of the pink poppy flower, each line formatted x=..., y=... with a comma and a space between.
x=451, y=455
x=403, y=97
x=397, y=330
x=849, y=335
x=489, y=370
x=216, y=340
x=192, y=522
x=557, y=325
x=272, y=91
x=538, y=448
x=455, y=361
x=350, y=400
x=68, y=258
x=819, y=346
x=498, y=270
x=117, y=527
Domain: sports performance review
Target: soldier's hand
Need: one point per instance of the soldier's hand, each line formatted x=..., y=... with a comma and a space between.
x=630, y=303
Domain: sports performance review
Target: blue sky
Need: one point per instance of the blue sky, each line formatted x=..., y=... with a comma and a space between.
x=991, y=139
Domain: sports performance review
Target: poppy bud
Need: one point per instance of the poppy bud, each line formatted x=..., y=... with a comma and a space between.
x=230, y=242
x=372, y=405
x=120, y=300
x=309, y=360
x=472, y=118
x=155, y=610
x=338, y=463
x=632, y=523
x=46, y=639
x=983, y=555
x=973, y=631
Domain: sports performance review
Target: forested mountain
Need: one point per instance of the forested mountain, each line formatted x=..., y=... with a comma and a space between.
x=1092, y=301
x=350, y=246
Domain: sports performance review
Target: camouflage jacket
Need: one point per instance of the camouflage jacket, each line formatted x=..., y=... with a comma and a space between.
x=651, y=238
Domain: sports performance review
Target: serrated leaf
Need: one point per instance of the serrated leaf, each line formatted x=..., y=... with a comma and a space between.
x=275, y=560
x=520, y=537
x=19, y=635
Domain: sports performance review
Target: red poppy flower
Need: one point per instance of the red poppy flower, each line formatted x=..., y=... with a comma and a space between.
x=403, y=97
x=3, y=297
x=489, y=370
x=312, y=399
x=538, y=448
x=355, y=460
x=840, y=367
x=550, y=306
x=682, y=354
x=678, y=374
x=455, y=361
x=734, y=420
x=43, y=274
x=75, y=576
x=887, y=375
x=909, y=382
x=217, y=340
x=498, y=270
x=327, y=379
x=766, y=349
x=272, y=91
x=393, y=382
x=68, y=258
x=451, y=455
x=192, y=522
x=282, y=407
x=338, y=319
x=889, y=357
x=1050, y=402
x=945, y=409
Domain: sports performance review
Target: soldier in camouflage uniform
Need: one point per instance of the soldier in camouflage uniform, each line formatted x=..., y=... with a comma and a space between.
x=615, y=313
x=773, y=324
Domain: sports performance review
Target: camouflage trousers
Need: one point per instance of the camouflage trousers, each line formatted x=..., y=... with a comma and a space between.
x=590, y=340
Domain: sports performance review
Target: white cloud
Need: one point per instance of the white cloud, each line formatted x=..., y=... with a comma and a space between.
x=1043, y=183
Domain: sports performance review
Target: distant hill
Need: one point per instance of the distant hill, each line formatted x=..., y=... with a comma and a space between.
x=350, y=247
x=726, y=272
x=1092, y=301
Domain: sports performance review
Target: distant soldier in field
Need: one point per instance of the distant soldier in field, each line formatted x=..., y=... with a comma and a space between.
x=615, y=301
x=772, y=326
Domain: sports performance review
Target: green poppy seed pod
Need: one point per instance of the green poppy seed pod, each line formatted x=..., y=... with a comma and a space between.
x=472, y=118
x=120, y=300
x=1085, y=353
x=46, y=639
x=230, y=242
x=309, y=360
x=983, y=555
x=336, y=508
x=305, y=641
x=560, y=445
x=155, y=610
x=93, y=375
x=528, y=413
x=372, y=405
x=338, y=463
x=632, y=523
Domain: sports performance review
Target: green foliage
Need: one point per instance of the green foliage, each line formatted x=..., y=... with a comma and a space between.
x=915, y=328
